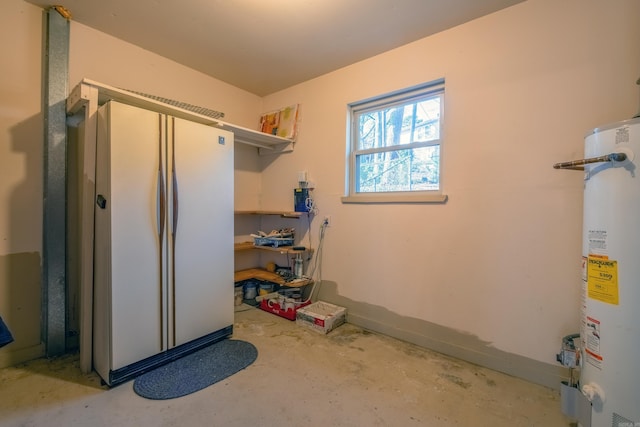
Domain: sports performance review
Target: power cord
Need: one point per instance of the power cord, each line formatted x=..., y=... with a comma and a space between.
x=312, y=209
x=317, y=265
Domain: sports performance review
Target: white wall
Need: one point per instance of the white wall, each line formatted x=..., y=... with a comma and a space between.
x=99, y=57
x=21, y=154
x=103, y=58
x=500, y=261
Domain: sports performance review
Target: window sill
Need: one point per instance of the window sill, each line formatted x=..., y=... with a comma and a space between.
x=396, y=198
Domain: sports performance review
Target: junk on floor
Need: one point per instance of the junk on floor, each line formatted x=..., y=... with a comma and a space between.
x=321, y=316
x=283, y=305
x=274, y=290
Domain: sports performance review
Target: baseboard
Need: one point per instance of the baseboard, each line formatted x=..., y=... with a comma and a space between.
x=9, y=357
x=444, y=340
x=512, y=364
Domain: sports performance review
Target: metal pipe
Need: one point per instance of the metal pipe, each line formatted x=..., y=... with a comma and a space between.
x=576, y=164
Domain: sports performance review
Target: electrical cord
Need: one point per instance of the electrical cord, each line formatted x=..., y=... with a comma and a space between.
x=309, y=228
x=312, y=209
x=317, y=265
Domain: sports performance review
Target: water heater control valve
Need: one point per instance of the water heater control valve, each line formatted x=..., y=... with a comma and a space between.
x=569, y=355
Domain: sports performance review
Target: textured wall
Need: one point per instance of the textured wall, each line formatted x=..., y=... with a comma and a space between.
x=500, y=261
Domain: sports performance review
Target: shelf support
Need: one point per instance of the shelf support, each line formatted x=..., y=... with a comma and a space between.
x=54, y=279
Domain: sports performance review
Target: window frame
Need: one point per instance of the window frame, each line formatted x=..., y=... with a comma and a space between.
x=403, y=96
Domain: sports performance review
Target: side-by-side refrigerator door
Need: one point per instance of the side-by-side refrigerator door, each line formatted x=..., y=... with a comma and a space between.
x=128, y=300
x=200, y=230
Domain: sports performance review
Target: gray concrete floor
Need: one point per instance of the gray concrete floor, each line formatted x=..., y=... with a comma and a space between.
x=349, y=377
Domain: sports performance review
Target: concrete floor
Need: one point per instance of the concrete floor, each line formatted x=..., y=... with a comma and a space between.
x=349, y=377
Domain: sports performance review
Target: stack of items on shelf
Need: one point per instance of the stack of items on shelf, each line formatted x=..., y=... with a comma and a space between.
x=275, y=298
x=276, y=238
x=274, y=289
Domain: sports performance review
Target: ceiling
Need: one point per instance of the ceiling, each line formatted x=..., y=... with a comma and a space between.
x=263, y=46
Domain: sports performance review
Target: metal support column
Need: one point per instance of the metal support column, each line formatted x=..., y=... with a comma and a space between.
x=56, y=64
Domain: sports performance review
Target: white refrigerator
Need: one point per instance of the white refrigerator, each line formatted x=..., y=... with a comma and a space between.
x=163, y=258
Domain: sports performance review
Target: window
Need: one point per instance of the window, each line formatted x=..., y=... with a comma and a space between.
x=395, y=147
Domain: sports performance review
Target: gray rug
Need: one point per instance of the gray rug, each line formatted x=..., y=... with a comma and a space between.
x=196, y=371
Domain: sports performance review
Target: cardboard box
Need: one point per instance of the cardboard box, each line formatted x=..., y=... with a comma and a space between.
x=274, y=307
x=321, y=316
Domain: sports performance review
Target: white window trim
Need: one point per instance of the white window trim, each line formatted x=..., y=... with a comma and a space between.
x=435, y=196
x=397, y=198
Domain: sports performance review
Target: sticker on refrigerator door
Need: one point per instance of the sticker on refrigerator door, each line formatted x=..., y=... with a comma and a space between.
x=602, y=280
x=592, y=342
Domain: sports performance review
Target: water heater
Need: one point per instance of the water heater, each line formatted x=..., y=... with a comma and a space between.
x=610, y=317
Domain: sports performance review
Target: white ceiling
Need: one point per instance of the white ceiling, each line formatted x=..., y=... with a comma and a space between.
x=263, y=46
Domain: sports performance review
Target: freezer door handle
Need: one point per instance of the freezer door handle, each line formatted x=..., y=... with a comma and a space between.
x=174, y=223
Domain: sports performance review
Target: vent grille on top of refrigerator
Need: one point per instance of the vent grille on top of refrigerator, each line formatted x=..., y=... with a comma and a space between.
x=620, y=421
x=189, y=107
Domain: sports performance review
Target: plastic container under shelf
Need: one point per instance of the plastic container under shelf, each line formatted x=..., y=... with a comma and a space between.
x=238, y=295
x=272, y=306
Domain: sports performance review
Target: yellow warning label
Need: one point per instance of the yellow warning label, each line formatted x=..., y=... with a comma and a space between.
x=602, y=280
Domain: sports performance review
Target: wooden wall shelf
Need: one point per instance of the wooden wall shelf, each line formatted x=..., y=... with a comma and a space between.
x=99, y=93
x=259, y=273
x=282, y=214
x=245, y=246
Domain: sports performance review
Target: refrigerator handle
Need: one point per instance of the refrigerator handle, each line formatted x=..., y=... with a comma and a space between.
x=161, y=201
x=174, y=180
x=174, y=224
x=161, y=204
x=162, y=194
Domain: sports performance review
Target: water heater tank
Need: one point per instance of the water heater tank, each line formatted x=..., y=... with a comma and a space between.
x=610, y=330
